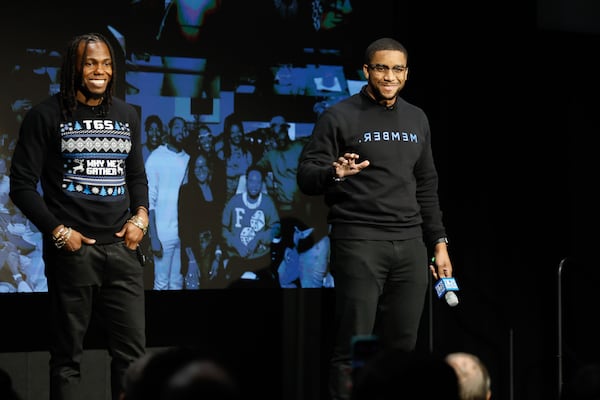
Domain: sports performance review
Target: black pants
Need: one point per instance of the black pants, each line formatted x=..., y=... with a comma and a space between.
x=380, y=288
x=103, y=281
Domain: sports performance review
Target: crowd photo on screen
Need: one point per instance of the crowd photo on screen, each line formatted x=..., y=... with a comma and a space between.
x=212, y=110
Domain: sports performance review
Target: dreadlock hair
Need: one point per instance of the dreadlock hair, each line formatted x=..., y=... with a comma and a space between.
x=383, y=44
x=70, y=75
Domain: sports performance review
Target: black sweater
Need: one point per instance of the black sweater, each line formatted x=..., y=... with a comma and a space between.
x=90, y=168
x=395, y=197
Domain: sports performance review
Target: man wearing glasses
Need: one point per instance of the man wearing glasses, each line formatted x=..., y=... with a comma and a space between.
x=371, y=157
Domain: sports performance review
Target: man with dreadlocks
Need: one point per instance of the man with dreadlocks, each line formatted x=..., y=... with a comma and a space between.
x=83, y=146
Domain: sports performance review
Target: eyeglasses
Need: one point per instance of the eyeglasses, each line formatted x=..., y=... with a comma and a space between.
x=380, y=68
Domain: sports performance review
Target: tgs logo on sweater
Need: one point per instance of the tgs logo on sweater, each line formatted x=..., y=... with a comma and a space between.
x=94, y=153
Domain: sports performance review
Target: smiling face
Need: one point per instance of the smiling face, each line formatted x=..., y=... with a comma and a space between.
x=254, y=184
x=205, y=140
x=153, y=135
x=178, y=133
x=95, y=65
x=236, y=134
x=201, y=169
x=386, y=75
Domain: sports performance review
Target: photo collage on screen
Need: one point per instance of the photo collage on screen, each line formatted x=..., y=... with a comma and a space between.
x=227, y=93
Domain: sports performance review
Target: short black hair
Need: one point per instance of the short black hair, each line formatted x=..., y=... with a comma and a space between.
x=258, y=168
x=385, y=43
x=153, y=119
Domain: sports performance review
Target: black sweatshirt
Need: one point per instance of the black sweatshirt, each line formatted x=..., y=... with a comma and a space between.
x=395, y=197
x=90, y=168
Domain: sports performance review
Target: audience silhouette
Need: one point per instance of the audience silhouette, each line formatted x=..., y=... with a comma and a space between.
x=178, y=373
x=398, y=374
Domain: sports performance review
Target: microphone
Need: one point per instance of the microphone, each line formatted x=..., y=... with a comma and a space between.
x=447, y=287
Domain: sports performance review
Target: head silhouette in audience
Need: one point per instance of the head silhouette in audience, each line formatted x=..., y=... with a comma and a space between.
x=7, y=390
x=201, y=379
x=397, y=374
x=473, y=377
x=584, y=384
x=178, y=373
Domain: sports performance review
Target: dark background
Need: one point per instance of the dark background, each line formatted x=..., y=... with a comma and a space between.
x=511, y=92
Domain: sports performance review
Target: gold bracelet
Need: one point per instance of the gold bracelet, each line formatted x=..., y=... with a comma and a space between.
x=137, y=221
